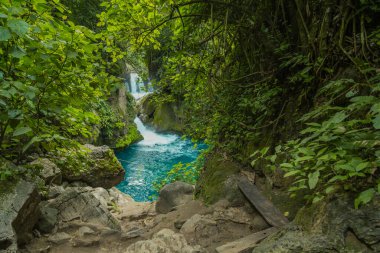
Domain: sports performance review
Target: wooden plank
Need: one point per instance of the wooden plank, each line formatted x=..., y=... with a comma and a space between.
x=269, y=212
x=246, y=244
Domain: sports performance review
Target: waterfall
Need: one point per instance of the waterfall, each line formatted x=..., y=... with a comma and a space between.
x=152, y=138
x=137, y=87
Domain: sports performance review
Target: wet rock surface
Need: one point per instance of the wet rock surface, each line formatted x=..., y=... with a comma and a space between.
x=18, y=214
x=172, y=195
x=164, y=241
x=49, y=171
x=329, y=227
x=97, y=166
x=79, y=218
x=80, y=203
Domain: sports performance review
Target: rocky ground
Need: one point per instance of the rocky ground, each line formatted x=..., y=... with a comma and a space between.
x=72, y=216
x=78, y=218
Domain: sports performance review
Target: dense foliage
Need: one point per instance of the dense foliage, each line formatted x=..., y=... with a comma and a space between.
x=292, y=85
x=50, y=71
x=257, y=73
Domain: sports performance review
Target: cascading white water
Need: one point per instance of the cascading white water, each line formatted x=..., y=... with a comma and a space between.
x=152, y=138
x=137, y=87
x=149, y=161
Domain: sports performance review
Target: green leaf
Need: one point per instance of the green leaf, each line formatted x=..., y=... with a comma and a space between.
x=18, y=26
x=291, y=173
x=364, y=197
x=330, y=189
x=2, y=15
x=362, y=166
x=303, y=158
x=14, y=114
x=21, y=131
x=18, y=52
x=376, y=108
x=31, y=142
x=264, y=150
x=316, y=199
x=5, y=34
x=286, y=165
x=338, y=117
x=13, y=10
x=313, y=179
x=338, y=178
x=376, y=122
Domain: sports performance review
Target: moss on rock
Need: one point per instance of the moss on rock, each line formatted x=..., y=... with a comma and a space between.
x=96, y=166
x=131, y=137
x=163, y=116
x=218, y=178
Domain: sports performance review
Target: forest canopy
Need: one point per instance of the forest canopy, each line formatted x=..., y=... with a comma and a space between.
x=291, y=85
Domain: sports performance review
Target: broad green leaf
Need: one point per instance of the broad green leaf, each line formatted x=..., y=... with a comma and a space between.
x=303, y=158
x=338, y=117
x=21, y=131
x=18, y=52
x=2, y=15
x=14, y=114
x=31, y=142
x=5, y=93
x=316, y=199
x=291, y=173
x=313, y=179
x=264, y=150
x=330, y=189
x=338, y=178
x=376, y=108
x=362, y=166
x=286, y=165
x=363, y=99
x=18, y=26
x=5, y=34
x=376, y=122
x=364, y=197
x=14, y=10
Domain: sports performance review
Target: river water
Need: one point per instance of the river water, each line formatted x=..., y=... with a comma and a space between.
x=150, y=159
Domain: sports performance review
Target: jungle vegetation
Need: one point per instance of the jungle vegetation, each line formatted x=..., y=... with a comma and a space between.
x=291, y=85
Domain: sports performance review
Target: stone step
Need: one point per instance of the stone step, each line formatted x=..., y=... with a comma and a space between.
x=266, y=208
x=246, y=244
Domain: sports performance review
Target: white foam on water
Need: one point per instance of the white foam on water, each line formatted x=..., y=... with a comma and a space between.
x=152, y=138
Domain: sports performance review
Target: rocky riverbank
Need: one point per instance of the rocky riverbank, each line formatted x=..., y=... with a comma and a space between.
x=73, y=214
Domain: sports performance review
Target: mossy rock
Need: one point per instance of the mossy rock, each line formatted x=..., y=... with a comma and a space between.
x=164, y=117
x=96, y=166
x=332, y=225
x=131, y=137
x=218, y=179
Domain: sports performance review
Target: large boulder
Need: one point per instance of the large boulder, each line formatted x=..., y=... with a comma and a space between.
x=165, y=241
x=19, y=213
x=96, y=166
x=172, y=195
x=167, y=116
x=48, y=219
x=80, y=203
x=49, y=171
x=333, y=226
x=218, y=179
